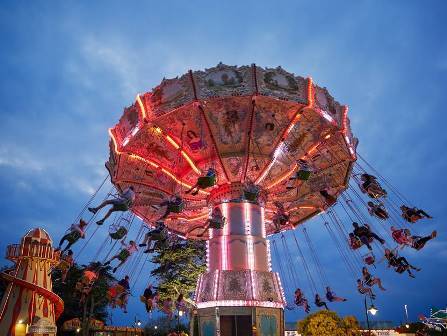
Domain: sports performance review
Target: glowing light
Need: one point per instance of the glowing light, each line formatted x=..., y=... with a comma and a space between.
x=208, y=255
x=172, y=142
x=247, y=219
x=269, y=255
x=310, y=96
x=327, y=136
x=142, y=109
x=216, y=282
x=253, y=282
x=224, y=252
x=223, y=238
x=180, y=313
x=20, y=322
x=327, y=116
x=263, y=222
x=281, y=288
x=184, y=154
x=235, y=303
x=373, y=310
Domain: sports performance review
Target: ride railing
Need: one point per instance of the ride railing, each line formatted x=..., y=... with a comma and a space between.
x=16, y=251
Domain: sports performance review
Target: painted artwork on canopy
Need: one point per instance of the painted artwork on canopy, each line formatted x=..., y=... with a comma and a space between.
x=280, y=83
x=171, y=94
x=224, y=81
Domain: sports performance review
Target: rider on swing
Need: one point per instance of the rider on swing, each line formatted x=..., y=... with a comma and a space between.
x=377, y=210
x=300, y=300
x=412, y=215
x=77, y=231
x=123, y=202
x=280, y=218
x=330, y=295
x=124, y=254
x=216, y=221
x=400, y=264
x=204, y=182
x=159, y=233
x=172, y=204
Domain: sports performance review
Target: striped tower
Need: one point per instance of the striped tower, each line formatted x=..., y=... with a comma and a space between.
x=239, y=294
x=29, y=307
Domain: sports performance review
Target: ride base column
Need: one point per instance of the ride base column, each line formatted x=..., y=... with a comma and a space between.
x=239, y=293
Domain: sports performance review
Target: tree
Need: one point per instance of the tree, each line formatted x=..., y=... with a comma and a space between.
x=179, y=267
x=95, y=306
x=328, y=323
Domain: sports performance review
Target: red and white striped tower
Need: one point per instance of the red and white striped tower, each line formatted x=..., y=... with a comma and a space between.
x=239, y=292
x=29, y=307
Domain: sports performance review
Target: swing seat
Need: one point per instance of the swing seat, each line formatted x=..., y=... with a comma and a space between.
x=303, y=175
x=369, y=260
x=355, y=244
x=162, y=235
x=73, y=237
x=119, y=234
x=251, y=196
x=217, y=224
x=206, y=181
x=123, y=255
x=412, y=219
x=176, y=208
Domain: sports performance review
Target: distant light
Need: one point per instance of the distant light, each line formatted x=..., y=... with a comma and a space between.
x=373, y=310
x=155, y=327
x=180, y=313
x=407, y=326
x=78, y=330
x=138, y=323
x=20, y=322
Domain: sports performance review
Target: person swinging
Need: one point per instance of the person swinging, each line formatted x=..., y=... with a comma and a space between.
x=124, y=254
x=369, y=280
x=377, y=210
x=65, y=263
x=203, y=182
x=77, y=231
x=216, y=221
x=159, y=234
x=365, y=290
x=371, y=186
x=300, y=300
x=280, y=218
x=365, y=234
x=399, y=264
x=251, y=191
x=147, y=298
x=173, y=204
x=329, y=199
x=119, y=294
x=412, y=215
x=331, y=297
x=123, y=202
x=319, y=302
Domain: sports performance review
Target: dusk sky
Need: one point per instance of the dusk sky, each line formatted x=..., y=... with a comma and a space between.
x=68, y=68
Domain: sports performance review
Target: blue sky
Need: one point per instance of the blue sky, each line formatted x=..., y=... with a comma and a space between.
x=68, y=68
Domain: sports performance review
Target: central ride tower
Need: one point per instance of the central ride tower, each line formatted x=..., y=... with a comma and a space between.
x=239, y=293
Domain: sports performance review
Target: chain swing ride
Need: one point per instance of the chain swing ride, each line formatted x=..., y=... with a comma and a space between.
x=237, y=156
